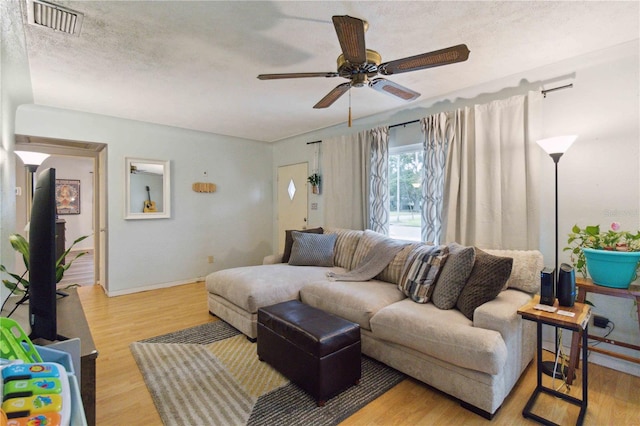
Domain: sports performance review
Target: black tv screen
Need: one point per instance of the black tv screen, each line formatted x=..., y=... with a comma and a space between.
x=42, y=258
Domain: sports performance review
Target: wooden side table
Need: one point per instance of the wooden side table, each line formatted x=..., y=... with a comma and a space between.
x=585, y=286
x=578, y=323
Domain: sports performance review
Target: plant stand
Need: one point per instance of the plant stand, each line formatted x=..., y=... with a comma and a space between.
x=587, y=286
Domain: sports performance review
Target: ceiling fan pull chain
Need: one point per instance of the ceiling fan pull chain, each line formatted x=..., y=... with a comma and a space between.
x=349, y=107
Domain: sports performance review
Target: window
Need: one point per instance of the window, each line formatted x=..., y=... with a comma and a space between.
x=405, y=192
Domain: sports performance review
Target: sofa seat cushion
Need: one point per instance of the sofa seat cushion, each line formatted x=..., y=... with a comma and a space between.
x=352, y=300
x=444, y=334
x=251, y=287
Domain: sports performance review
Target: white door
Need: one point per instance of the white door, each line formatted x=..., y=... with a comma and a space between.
x=292, y=199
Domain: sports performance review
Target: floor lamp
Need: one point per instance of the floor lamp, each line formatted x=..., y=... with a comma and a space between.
x=31, y=162
x=555, y=147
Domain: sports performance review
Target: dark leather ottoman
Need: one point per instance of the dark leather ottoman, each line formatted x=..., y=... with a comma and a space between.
x=318, y=351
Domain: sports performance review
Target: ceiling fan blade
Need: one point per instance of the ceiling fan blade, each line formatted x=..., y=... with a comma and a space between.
x=436, y=58
x=391, y=88
x=333, y=95
x=350, y=33
x=297, y=75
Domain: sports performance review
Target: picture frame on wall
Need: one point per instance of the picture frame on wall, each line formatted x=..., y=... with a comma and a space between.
x=67, y=196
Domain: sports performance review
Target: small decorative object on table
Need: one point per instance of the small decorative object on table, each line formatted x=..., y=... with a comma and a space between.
x=315, y=180
x=612, y=258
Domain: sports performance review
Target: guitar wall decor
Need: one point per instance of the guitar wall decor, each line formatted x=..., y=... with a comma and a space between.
x=149, y=206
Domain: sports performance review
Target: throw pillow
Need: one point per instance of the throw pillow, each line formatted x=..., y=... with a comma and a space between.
x=310, y=249
x=288, y=241
x=525, y=274
x=454, y=276
x=487, y=278
x=421, y=271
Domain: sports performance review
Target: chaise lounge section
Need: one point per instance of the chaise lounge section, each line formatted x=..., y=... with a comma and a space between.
x=418, y=315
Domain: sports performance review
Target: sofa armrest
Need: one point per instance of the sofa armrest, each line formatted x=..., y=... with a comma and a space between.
x=272, y=259
x=501, y=314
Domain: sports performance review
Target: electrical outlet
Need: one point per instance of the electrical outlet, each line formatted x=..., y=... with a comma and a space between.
x=599, y=321
x=210, y=259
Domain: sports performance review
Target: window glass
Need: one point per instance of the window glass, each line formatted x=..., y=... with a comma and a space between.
x=405, y=190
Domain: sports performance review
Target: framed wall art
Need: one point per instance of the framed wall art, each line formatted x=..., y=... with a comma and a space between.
x=67, y=196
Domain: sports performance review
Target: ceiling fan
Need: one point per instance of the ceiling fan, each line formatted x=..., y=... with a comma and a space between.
x=360, y=65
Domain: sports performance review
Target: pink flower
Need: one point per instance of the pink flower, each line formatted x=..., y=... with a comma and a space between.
x=615, y=226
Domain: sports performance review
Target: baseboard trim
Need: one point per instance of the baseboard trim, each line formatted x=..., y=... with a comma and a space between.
x=152, y=287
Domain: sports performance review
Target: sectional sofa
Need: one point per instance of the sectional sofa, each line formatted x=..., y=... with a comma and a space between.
x=445, y=315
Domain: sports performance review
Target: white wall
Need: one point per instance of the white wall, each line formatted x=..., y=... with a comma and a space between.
x=599, y=178
x=15, y=89
x=76, y=168
x=233, y=224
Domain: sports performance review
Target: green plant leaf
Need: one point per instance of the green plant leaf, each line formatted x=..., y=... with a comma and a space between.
x=592, y=230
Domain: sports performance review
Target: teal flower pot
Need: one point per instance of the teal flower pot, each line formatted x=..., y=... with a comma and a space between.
x=612, y=268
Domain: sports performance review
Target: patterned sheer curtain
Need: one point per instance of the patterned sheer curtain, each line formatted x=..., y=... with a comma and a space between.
x=437, y=132
x=378, y=202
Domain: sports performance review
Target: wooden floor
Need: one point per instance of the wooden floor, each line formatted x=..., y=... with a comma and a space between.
x=122, y=397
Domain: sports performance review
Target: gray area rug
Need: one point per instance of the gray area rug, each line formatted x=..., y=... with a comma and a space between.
x=210, y=375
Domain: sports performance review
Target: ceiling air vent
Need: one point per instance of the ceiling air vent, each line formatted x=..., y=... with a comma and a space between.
x=57, y=18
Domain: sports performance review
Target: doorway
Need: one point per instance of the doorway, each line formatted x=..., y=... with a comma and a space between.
x=292, y=199
x=88, y=162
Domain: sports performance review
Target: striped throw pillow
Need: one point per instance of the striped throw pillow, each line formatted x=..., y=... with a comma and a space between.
x=421, y=272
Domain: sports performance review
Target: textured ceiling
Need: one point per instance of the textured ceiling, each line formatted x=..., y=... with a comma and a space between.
x=194, y=64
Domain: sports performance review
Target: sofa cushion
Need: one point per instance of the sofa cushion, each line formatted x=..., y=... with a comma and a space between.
x=421, y=272
x=489, y=275
x=312, y=249
x=367, y=242
x=454, y=275
x=393, y=271
x=288, y=241
x=444, y=334
x=355, y=301
x=346, y=244
x=525, y=274
x=251, y=287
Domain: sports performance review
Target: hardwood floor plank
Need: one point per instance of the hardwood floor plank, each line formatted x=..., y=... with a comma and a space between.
x=116, y=322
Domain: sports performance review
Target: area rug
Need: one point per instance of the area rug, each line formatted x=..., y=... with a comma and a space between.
x=211, y=375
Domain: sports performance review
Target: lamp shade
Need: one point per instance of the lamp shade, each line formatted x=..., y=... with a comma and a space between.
x=30, y=158
x=557, y=144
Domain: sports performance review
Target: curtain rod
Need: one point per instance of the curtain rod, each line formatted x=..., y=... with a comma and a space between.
x=544, y=92
x=404, y=124
x=309, y=143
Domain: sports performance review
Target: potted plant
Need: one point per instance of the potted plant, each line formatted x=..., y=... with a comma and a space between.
x=315, y=180
x=20, y=284
x=612, y=258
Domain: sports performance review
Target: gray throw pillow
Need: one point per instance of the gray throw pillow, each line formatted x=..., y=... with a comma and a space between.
x=454, y=275
x=288, y=241
x=312, y=249
x=489, y=275
x=421, y=272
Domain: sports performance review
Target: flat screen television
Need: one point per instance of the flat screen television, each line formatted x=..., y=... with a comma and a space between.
x=42, y=258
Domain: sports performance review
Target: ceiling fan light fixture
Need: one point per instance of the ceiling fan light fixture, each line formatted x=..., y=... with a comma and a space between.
x=360, y=65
